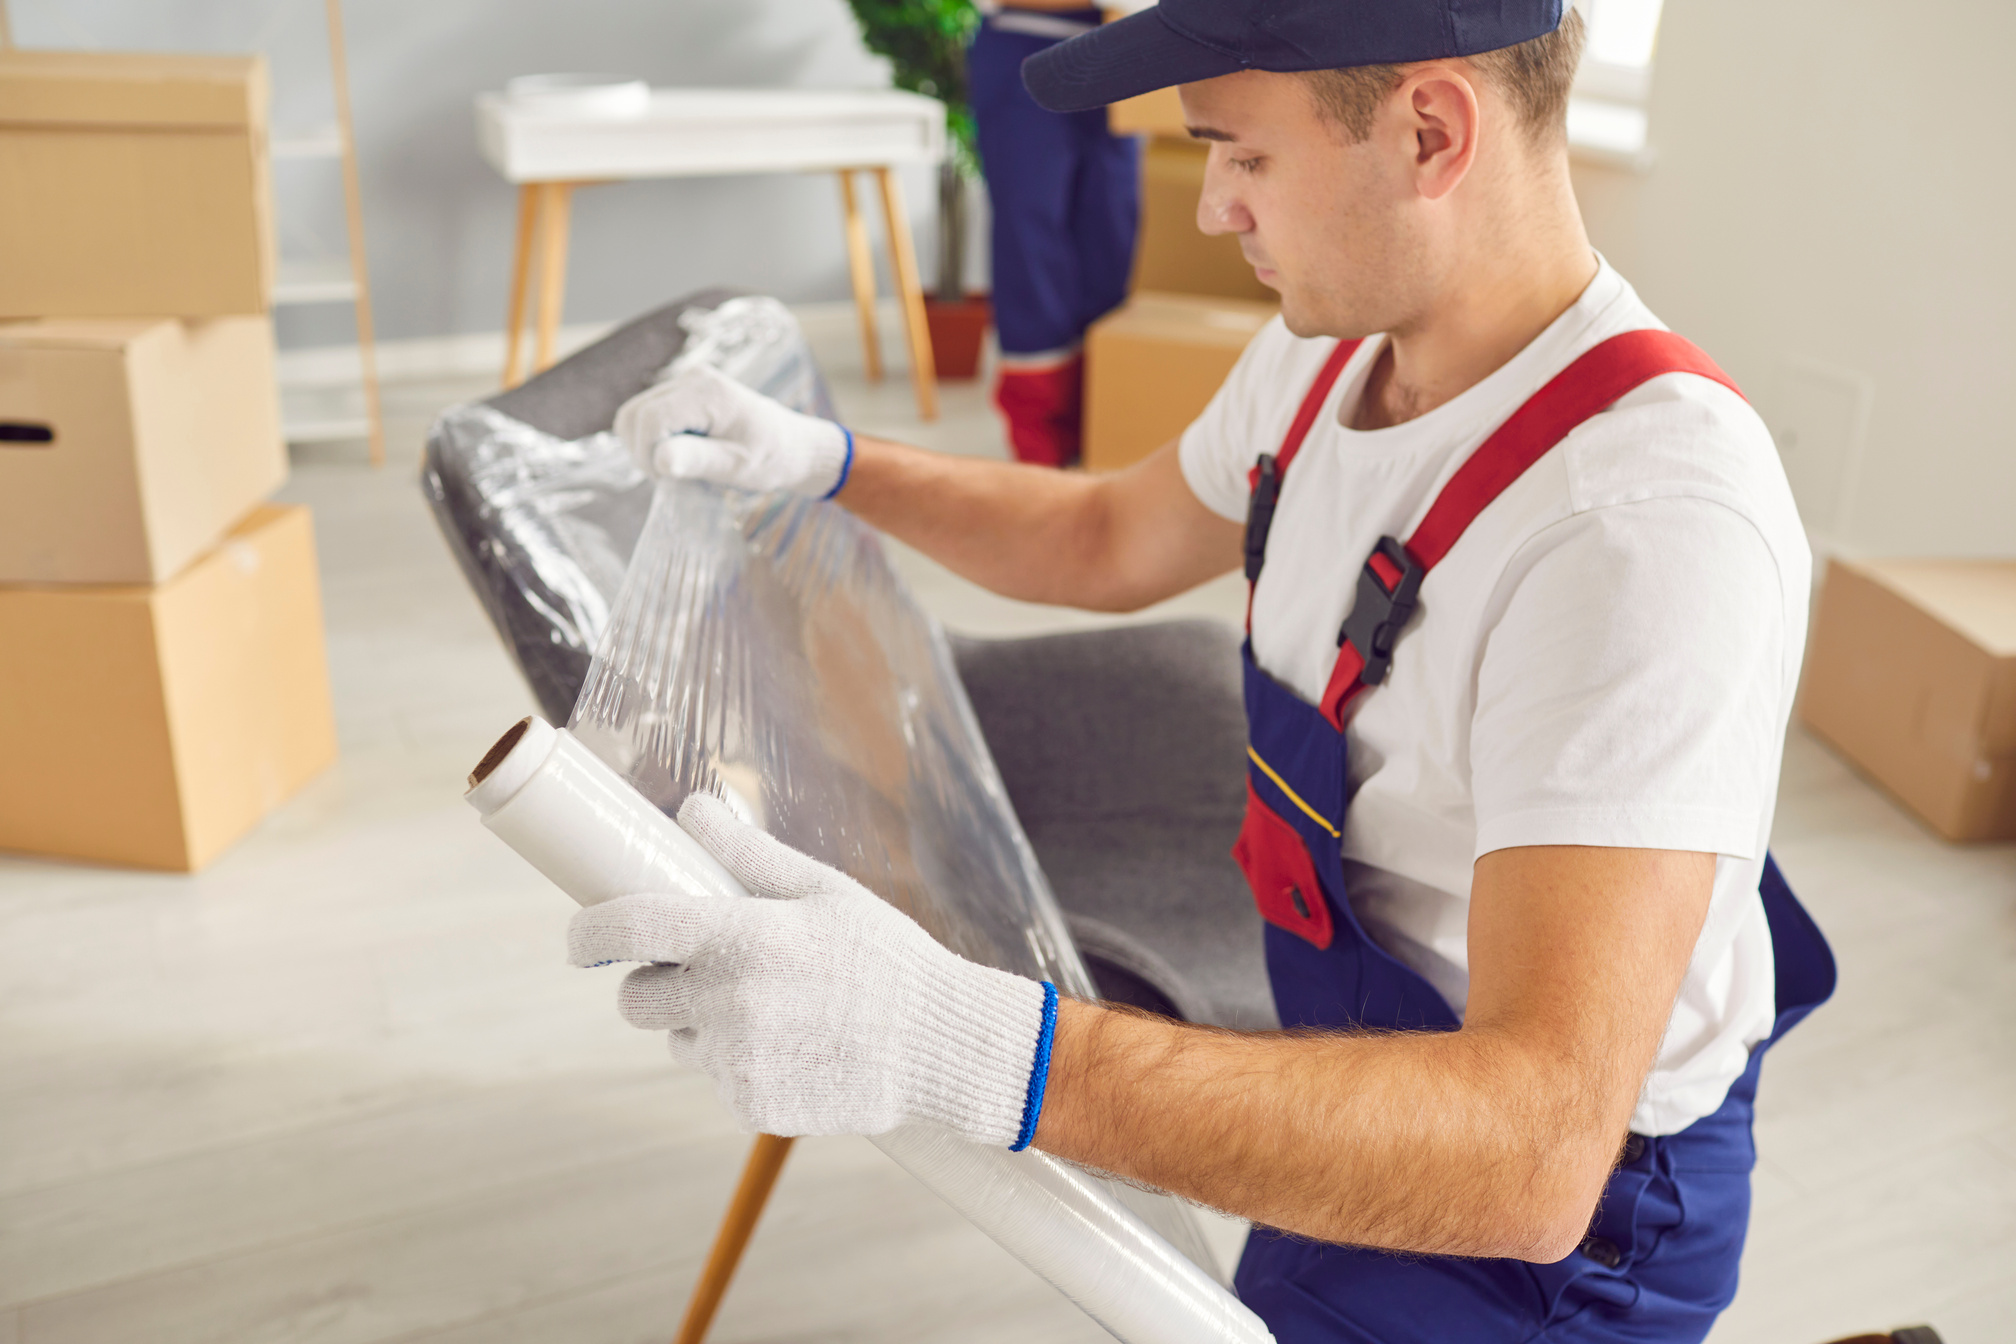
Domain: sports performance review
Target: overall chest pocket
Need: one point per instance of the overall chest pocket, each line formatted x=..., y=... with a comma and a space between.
x=1275, y=858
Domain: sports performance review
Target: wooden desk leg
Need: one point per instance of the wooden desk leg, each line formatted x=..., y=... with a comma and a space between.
x=923, y=370
x=521, y=278
x=861, y=269
x=759, y=1174
x=559, y=198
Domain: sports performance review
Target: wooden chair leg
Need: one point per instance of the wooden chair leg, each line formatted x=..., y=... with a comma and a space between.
x=923, y=370
x=521, y=279
x=559, y=199
x=759, y=1174
x=861, y=269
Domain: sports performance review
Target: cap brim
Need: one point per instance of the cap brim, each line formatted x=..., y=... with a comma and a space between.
x=1122, y=59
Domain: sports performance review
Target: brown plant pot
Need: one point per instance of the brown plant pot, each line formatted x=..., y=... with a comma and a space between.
x=957, y=330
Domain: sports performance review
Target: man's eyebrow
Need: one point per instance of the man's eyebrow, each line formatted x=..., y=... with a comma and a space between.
x=1208, y=133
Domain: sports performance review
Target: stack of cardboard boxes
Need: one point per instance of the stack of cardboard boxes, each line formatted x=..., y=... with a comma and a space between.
x=1152, y=364
x=163, y=683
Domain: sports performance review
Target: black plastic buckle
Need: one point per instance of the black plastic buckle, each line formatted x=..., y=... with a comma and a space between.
x=1378, y=614
x=1260, y=515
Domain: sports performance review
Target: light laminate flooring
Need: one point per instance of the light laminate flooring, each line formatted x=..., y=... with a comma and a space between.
x=341, y=1089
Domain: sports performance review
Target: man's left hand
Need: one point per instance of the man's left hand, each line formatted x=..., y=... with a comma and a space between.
x=816, y=1007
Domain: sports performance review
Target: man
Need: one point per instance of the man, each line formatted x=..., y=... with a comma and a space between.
x=1065, y=194
x=1529, y=596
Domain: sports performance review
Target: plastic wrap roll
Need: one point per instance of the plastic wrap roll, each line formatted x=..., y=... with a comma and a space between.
x=583, y=826
x=576, y=821
x=1067, y=1227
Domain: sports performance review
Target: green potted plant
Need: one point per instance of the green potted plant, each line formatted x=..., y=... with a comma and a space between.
x=925, y=43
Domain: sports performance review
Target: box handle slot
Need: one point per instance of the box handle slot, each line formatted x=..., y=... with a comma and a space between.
x=25, y=433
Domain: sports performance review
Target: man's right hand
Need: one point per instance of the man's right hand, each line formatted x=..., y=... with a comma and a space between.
x=701, y=424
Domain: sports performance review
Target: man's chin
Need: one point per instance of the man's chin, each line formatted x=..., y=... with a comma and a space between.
x=1299, y=320
x=1306, y=318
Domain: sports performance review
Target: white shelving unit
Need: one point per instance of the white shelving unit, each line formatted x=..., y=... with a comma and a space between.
x=324, y=414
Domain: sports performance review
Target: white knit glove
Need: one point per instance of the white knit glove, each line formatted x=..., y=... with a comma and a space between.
x=701, y=424
x=826, y=1011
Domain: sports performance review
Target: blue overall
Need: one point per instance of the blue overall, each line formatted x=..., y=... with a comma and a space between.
x=1065, y=195
x=1660, y=1261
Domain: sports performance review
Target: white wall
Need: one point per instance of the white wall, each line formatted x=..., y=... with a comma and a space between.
x=1832, y=215
x=439, y=221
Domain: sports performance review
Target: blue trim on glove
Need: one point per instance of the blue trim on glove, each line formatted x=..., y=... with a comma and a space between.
x=846, y=464
x=1039, y=1073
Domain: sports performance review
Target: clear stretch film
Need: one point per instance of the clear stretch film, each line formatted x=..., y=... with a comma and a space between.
x=582, y=825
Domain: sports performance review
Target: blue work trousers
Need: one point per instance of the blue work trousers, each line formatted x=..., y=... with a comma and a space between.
x=1066, y=198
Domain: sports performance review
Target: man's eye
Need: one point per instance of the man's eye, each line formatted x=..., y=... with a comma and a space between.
x=1251, y=165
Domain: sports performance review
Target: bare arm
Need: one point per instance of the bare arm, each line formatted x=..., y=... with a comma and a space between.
x=1107, y=543
x=1494, y=1140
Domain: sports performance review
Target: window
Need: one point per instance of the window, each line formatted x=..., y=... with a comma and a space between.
x=1606, y=115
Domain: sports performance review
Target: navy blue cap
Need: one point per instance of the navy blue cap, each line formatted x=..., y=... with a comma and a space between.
x=1182, y=41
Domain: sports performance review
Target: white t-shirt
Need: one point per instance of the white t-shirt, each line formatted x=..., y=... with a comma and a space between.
x=1606, y=657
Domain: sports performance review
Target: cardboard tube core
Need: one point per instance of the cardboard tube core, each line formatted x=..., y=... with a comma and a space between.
x=498, y=751
x=512, y=763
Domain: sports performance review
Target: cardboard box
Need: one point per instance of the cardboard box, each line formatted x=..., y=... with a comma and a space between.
x=1152, y=365
x=128, y=447
x=1912, y=674
x=1172, y=255
x=1158, y=112
x=155, y=726
x=134, y=184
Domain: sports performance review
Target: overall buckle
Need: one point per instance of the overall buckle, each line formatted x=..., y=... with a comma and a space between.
x=1260, y=513
x=1388, y=588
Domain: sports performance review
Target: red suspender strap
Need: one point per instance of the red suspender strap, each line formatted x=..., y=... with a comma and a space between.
x=1306, y=413
x=1263, y=482
x=1391, y=579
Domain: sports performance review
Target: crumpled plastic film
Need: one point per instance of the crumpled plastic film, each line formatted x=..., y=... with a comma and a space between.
x=543, y=527
x=755, y=341
x=543, y=530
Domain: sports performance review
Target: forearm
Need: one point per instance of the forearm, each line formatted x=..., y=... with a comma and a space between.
x=1493, y=1140
x=1458, y=1143
x=1025, y=532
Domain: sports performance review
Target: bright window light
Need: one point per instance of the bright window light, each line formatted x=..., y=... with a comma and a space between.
x=1606, y=115
x=1610, y=128
x=1621, y=32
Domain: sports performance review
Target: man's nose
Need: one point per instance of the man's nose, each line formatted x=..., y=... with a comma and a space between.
x=1219, y=210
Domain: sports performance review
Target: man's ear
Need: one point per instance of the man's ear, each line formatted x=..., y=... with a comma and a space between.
x=1439, y=106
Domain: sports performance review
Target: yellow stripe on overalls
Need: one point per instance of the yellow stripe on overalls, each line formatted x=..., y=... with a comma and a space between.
x=1294, y=797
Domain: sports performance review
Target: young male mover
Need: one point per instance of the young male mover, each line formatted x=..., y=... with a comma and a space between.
x=1544, y=947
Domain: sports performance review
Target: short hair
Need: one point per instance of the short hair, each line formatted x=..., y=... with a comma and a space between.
x=1535, y=76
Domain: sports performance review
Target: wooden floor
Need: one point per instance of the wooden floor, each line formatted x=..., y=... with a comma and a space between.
x=341, y=1088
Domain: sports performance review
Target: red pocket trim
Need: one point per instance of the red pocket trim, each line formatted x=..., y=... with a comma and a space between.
x=1278, y=868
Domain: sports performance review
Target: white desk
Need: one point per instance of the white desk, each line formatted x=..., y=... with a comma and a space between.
x=714, y=132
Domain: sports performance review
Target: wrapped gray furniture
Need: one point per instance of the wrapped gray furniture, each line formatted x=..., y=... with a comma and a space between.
x=1122, y=750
